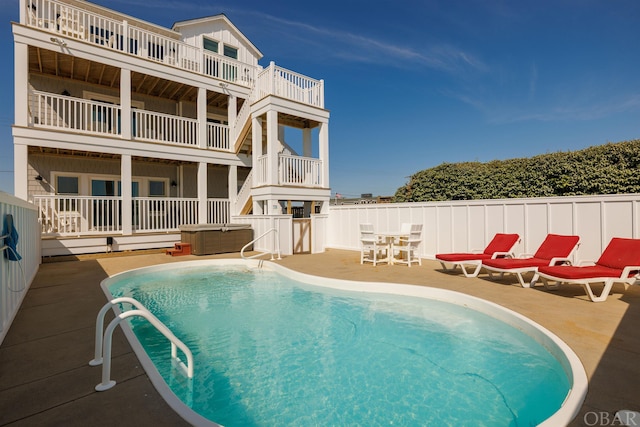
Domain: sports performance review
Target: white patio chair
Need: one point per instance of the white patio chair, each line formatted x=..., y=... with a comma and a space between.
x=408, y=245
x=371, y=246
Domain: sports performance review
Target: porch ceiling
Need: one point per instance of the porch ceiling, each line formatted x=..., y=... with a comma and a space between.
x=295, y=121
x=52, y=63
x=95, y=155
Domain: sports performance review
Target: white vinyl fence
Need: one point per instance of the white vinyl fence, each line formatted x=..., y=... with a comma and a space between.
x=461, y=226
x=16, y=276
x=262, y=223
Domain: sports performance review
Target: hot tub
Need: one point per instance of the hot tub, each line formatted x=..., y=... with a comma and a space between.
x=208, y=239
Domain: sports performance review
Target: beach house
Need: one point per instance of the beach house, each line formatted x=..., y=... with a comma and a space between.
x=125, y=130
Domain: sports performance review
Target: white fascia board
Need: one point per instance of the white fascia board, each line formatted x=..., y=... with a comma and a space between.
x=272, y=102
x=85, y=142
x=290, y=193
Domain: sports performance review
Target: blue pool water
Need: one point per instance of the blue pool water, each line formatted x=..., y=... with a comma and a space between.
x=272, y=351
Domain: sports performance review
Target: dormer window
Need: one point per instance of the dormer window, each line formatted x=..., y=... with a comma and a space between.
x=231, y=52
x=209, y=44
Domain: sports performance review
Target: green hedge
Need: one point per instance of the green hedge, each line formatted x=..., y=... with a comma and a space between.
x=604, y=169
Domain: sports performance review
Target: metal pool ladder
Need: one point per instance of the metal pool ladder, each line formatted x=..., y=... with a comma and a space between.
x=104, y=341
x=276, y=244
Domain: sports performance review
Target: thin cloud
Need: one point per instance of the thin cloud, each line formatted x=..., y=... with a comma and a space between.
x=359, y=48
x=502, y=113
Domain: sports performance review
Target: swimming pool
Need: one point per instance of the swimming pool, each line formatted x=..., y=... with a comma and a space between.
x=329, y=352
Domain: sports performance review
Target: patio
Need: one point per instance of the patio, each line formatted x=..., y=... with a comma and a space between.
x=45, y=378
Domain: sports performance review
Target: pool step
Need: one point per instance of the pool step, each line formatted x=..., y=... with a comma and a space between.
x=179, y=249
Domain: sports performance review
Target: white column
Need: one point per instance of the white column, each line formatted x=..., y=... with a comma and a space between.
x=20, y=167
x=256, y=149
x=306, y=143
x=281, y=138
x=126, y=196
x=202, y=117
x=233, y=181
x=202, y=193
x=257, y=207
x=23, y=12
x=232, y=114
x=180, y=174
x=323, y=152
x=273, y=148
x=273, y=207
x=21, y=84
x=125, y=104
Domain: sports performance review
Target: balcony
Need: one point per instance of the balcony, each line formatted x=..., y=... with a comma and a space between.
x=61, y=215
x=60, y=112
x=294, y=171
x=163, y=46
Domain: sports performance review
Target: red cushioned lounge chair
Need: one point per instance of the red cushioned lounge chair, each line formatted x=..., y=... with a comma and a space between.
x=554, y=250
x=500, y=246
x=619, y=263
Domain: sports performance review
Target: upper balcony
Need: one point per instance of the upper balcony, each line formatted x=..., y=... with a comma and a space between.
x=119, y=33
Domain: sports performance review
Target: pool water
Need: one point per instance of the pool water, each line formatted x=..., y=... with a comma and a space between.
x=272, y=351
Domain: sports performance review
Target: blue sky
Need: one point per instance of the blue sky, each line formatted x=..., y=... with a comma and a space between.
x=413, y=84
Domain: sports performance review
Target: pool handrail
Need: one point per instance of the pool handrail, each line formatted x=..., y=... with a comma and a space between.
x=277, y=244
x=103, y=342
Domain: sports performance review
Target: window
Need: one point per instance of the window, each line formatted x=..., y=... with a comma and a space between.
x=210, y=45
x=157, y=188
x=67, y=184
x=231, y=52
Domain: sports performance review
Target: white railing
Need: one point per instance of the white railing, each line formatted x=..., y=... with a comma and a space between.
x=279, y=81
x=227, y=69
x=16, y=276
x=272, y=252
x=82, y=215
x=152, y=126
x=242, y=118
x=77, y=23
x=50, y=110
x=218, y=211
x=163, y=214
x=243, y=194
x=262, y=170
x=292, y=170
x=65, y=112
x=303, y=171
x=218, y=136
x=163, y=49
x=75, y=215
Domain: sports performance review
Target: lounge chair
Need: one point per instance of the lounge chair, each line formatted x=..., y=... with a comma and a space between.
x=500, y=246
x=619, y=263
x=554, y=250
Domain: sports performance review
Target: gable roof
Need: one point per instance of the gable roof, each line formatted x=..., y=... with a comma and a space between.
x=220, y=17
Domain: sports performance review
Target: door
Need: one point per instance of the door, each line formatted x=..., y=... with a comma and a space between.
x=301, y=235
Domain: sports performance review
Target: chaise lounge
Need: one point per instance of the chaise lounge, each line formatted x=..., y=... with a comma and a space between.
x=554, y=250
x=500, y=246
x=619, y=263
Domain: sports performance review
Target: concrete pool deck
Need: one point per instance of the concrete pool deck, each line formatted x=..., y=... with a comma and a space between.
x=45, y=378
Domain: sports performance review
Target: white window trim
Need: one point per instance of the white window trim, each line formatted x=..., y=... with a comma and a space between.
x=56, y=175
x=213, y=40
x=234, y=47
x=166, y=186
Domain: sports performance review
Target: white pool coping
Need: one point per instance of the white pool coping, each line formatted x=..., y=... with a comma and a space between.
x=558, y=348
